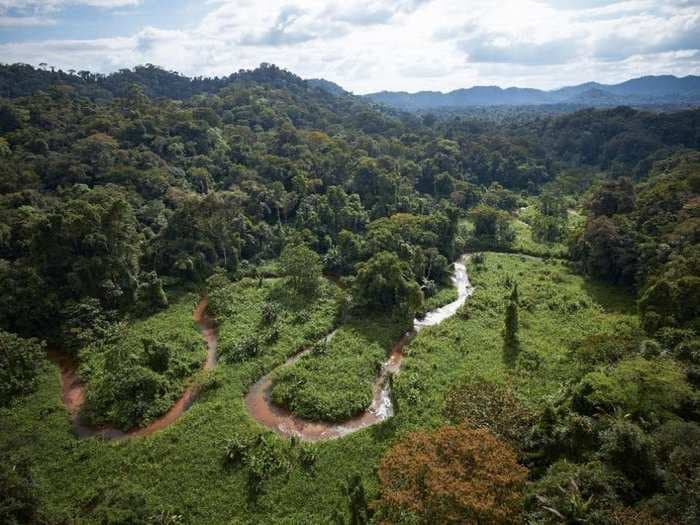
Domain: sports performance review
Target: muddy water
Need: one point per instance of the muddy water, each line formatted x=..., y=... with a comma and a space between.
x=73, y=391
x=260, y=407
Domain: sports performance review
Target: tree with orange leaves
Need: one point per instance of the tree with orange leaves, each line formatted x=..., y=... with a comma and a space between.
x=450, y=475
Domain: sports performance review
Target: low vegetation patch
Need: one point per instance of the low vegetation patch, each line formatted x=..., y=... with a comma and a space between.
x=335, y=380
x=138, y=371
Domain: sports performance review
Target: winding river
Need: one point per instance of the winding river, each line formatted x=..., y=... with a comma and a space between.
x=261, y=408
x=73, y=390
x=258, y=401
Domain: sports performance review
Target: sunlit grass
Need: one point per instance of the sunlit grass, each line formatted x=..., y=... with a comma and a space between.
x=181, y=468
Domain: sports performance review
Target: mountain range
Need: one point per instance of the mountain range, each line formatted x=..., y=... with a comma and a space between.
x=647, y=90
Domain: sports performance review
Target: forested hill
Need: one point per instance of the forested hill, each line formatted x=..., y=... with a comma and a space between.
x=110, y=184
x=18, y=80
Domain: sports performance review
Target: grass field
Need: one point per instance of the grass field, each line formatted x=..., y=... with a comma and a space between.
x=180, y=470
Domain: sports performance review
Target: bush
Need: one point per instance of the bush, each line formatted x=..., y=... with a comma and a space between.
x=643, y=388
x=571, y=493
x=18, y=501
x=236, y=352
x=450, y=475
x=677, y=450
x=484, y=404
x=20, y=360
x=235, y=450
x=626, y=447
x=119, y=504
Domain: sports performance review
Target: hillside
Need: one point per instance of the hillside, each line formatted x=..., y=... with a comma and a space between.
x=260, y=299
x=644, y=91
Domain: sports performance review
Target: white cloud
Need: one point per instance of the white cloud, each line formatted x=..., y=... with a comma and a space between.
x=53, y=5
x=369, y=45
x=26, y=21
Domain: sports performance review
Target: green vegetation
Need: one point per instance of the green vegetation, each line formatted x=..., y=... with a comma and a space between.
x=20, y=361
x=136, y=372
x=557, y=310
x=120, y=192
x=334, y=381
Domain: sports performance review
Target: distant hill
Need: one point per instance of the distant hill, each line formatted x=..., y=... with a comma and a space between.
x=648, y=90
x=326, y=85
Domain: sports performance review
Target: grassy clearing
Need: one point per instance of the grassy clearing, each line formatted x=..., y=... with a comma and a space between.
x=557, y=308
x=181, y=469
x=334, y=382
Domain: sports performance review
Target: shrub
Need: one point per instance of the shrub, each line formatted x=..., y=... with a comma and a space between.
x=119, y=504
x=571, y=493
x=450, y=475
x=20, y=360
x=308, y=456
x=627, y=448
x=17, y=493
x=270, y=312
x=484, y=404
x=156, y=354
x=641, y=387
x=235, y=449
x=235, y=352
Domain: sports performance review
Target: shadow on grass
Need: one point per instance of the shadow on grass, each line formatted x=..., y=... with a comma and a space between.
x=613, y=298
x=280, y=292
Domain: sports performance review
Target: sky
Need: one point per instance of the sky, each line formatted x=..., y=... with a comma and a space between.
x=365, y=45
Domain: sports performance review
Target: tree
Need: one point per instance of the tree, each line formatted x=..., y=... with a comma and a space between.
x=492, y=228
x=20, y=360
x=354, y=492
x=607, y=250
x=612, y=198
x=303, y=268
x=384, y=282
x=450, y=475
x=151, y=293
x=511, y=344
x=644, y=388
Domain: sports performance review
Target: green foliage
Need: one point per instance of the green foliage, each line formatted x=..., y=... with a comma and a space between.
x=384, y=283
x=573, y=493
x=492, y=228
x=337, y=382
x=134, y=375
x=356, y=499
x=627, y=448
x=151, y=293
x=20, y=361
x=119, y=504
x=489, y=405
x=644, y=388
x=511, y=344
x=17, y=494
x=303, y=268
x=113, y=188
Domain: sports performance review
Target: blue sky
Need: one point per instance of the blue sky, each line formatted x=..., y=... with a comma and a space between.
x=80, y=21
x=365, y=45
